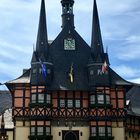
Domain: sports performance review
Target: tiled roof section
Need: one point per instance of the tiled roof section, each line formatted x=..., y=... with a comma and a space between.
x=134, y=96
x=25, y=78
x=5, y=100
x=117, y=80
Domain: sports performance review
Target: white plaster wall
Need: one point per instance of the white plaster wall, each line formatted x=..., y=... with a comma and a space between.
x=118, y=133
x=10, y=135
x=22, y=133
x=85, y=132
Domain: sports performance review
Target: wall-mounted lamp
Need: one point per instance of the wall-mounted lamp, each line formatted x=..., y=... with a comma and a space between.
x=58, y=123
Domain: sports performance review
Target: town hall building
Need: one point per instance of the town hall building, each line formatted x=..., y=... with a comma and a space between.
x=70, y=92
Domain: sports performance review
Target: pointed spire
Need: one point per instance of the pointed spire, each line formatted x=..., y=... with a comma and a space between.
x=42, y=38
x=96, y=41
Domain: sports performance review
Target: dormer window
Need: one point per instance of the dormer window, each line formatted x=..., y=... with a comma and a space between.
x=40, y=70
x=34, y=70
x=91, y=72
x=48, y=71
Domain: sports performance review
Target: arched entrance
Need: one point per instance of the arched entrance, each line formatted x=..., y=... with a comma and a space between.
x=70, y=135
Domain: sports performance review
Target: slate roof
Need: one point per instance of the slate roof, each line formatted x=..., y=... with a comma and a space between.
x=133, y=95
x=5, y=100
x=24, y=78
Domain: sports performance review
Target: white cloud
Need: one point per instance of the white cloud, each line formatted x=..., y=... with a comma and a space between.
x=133, y=39
x=129, y=53
x=136, y=80
x=126, y=71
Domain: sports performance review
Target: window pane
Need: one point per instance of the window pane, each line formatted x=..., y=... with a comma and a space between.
x=93, y=131
x=33, y=98
x=109, y=131
x=34, y=70
x=48, y=71
x=32, y=130
x=41, y=98
x=100, y=99
x=47, y=130
x=92, y=99
x=101, y=131
x=77, y=103
x=70, y=103
x=39, y=130
x=107, y=99
x=91, y=72
x=48, y=98
x=62, y=103
x=40, y=70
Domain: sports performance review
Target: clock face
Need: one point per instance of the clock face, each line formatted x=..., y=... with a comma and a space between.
x=69, y=44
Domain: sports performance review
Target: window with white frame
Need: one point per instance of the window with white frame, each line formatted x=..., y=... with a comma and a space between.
x=101, y=131
x=48, y=131
x=93, y=131
x=40, y=98
x=33, y=98
x=77, y=104
x=69, y=103
x=48, y=98
x=39, y=130
x=62, y=103
x=92, y=99
x=107, y=99
x=32, y=130
x=100, y=98
x=109, y=131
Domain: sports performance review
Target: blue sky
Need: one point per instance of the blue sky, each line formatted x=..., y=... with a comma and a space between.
x=120, y=27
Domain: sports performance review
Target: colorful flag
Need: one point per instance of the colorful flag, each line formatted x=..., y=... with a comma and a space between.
x=71, y=73
x=104, y=67
x=44, y=69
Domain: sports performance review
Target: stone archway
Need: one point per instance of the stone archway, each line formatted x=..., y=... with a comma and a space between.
x=70, y=135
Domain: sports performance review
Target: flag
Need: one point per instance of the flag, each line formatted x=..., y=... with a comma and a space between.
x=44, y=69
x=71, y=73
x=104, y=67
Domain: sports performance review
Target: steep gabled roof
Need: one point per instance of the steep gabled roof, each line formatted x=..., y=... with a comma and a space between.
x=63, y=59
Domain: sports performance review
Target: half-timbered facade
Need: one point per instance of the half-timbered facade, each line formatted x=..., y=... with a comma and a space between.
x=70, y=91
